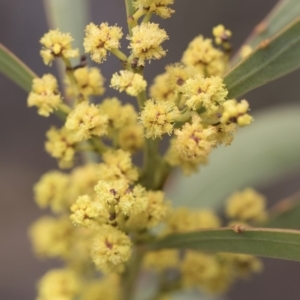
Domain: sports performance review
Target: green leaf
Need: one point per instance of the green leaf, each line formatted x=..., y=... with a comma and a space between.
x=284, y=12
x=281, y=55
x=12, y=67
x=260, y=153
x=274, y=243
x=286, y=214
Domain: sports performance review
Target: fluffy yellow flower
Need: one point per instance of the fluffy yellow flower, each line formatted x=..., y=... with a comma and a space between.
x=108, y=287
x=225, y=132
x=89, y=82
x=221, y=34
x=119, y=115
x=60, y=284
x=174, y=159
x=159, y=7
x=205, y=92
x=194, y=141
x=117, y=165
x=162, y=260
x=158, y=118
x=52, y=190
x=85, y=121
x=61, y=145
x=184, y=220
x=123, y=198
x=168, y=85
x=146, y=41
x=131, y=83
x=236, y=112
x=110, y=249
x=83, y=180
x=247, y=205
x=131, y=138
x=100, y=39
x=207, y=272
x=44, y=95
x=85, y=211
x=207, y=59
x=51, y=237
x=156, y=211
x=57, y=44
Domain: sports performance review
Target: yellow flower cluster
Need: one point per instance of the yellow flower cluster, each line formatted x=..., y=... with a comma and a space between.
x=246, y=206
x=89, y=81
x=100, y=39
x=85, y=121
x=234, y=112
x=57, y=44
x=208, y=60
x=131, y=83
x=44, y=95
x=107, y=209
x=159, y=7
x=209, y=92
x=146, y=41
x=158, y=118
x=61, y=284
x=61, y=145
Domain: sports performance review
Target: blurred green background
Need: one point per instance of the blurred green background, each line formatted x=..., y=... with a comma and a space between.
x=22, y=131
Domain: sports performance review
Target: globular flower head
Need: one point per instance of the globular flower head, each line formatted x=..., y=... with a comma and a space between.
x=44, y=95
x=247, y=205
x=158, y=118
x=207, y=59
x=222, y=35
x=57, y=44
x=159, y=7
x=131, y=138
x=110, y=249
x=100, y=39
x=194, y=141
x=85, y=210
x=131, y=83
x=85, y=121
x=52, y=190
x=146, y=41
x=168, y=85
x=61, y=145
x=118, y=165
x=108, y=287
x=184, y=220
x=119, y=115
x=62, y=284
x=156, y=212
x=89, y=82
x=236, y=112
x=122, y=197
x=209, y=93
x=51, y=237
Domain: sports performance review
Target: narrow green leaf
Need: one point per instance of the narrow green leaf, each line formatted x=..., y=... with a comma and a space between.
x=274, y=243
x=286, y=214
x=260, y=153
x=284, y=12
x=279, y=56
x=12, y=67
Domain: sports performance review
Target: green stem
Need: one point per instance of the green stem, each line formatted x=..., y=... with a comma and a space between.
x=147, y=18
x=119, y=54
x=129, y=13
x=131, y=274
